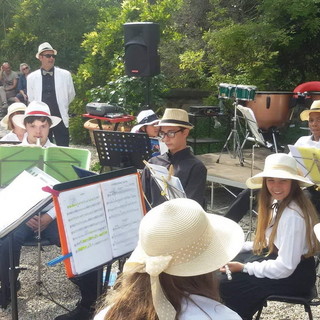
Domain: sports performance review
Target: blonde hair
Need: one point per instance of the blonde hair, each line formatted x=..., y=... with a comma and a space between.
x=132, y=297
x=308, y=212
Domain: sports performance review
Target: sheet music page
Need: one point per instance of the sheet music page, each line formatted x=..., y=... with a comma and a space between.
x=23, y=193
x=124, y=211
x=86, y=227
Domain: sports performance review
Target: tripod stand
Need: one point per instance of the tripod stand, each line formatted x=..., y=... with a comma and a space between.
x=234, y=137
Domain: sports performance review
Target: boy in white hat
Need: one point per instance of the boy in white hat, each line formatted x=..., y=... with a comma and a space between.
x=54, y=86
x=174, y=128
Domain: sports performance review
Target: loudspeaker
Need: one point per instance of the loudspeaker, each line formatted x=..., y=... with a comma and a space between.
x=141, y=41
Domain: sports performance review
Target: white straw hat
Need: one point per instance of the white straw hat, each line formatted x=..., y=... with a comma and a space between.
x=175, y=118
x=179, y=238
x=38, y=109
x=145, y=118
x=46, y=46
x=315, y=107
x=14, y=107
x=278, y=165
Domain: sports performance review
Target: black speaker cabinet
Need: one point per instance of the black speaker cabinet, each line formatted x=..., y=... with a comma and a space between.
x=141, y=41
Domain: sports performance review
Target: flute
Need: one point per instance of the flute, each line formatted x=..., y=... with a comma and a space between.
x=228, y=272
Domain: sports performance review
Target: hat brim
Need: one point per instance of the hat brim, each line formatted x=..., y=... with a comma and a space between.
x=5, y=120
x=47, y=49
x=164, y=123
x=19, y=119
x=255, y=182
x=304, y=115
x=137, y=127
x=226, y=242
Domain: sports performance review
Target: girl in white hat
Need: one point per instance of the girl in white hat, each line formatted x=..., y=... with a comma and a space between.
x=170, y=275
x=280, y=259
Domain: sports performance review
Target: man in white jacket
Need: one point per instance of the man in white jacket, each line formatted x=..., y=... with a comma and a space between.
x=54, y=86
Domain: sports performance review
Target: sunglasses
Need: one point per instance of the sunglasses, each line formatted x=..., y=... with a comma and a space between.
x=49, y=55
x=25, y=68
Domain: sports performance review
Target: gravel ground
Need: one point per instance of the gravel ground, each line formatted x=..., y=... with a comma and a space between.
x=32, y=306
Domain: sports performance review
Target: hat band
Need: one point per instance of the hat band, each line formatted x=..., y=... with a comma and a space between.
x=150, y=118
x=312, y=109
x=38, y=112
x=285, y=168
x=185, y=123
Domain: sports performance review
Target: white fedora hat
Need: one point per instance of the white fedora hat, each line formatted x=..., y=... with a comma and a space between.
x=315, y=107
x=46, y=46
x=179, y=238
x=37, y=109
x=175, y=118
x=145, y=118
x=14, y=107
x=279, y=165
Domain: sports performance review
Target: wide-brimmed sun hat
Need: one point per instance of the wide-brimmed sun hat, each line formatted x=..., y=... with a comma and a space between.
x=46, y=46
x=38, y=109
x=14, y=107
x=175, y=118
x=145, y=118
x=279, y=165
x=315, y=107
x=179, y=238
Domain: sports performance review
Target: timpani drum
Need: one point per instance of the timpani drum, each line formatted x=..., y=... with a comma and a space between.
x=227, y=90
x=245, y=92
x=271, y=109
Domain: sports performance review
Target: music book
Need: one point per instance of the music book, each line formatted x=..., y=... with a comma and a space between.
x=98, y=218
x=56, y=161
x=169, y=185
x=308, y=160
x=23, y=198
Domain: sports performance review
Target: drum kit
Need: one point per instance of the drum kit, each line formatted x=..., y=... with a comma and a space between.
x=236, y=93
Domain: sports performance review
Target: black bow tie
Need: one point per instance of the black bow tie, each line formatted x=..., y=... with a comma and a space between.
x=50, y=73
x=275, y=206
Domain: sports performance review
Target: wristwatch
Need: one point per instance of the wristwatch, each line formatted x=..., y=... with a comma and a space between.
x=245, y=270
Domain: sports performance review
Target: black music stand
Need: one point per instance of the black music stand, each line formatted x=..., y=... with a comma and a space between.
x=122, y=149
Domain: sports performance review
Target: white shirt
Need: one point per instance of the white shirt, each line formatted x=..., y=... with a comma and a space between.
x=291, y=243
x=200, y=309
x=11, y=136
x=306, y=141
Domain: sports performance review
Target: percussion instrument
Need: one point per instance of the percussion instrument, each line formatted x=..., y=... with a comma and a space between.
x=271, y=109
x=227, y=90
x=245, y=92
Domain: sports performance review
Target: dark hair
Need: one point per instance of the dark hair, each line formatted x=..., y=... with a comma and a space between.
x=31, y=119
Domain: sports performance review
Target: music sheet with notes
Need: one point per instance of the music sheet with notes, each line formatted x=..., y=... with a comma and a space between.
x=101, y=221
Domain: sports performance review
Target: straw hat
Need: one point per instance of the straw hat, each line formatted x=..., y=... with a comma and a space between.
x=46, y=46
x=145, y=118
x=38, y=109
x=316, y=230
x=175, y=118
x=179, y=238
x=315, y=107
x=279, y=165
x=14, y=107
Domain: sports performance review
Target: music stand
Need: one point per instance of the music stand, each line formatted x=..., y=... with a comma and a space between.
x=122, y=149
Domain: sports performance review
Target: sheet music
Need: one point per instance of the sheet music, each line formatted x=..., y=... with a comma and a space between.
x=124, y=211
x=86, y=227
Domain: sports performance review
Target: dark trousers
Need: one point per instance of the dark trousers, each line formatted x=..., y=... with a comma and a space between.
x=244, y=293
x=60, y=133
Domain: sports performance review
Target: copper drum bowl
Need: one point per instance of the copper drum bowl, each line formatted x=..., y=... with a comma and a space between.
x=271, y=109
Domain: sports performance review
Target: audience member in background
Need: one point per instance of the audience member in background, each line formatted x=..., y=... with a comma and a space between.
x=147, y=120
x=240, y=206
x=174, y=130
x=9, y=80
x=16, y=133
x=54, y=86
x=280, y=260
x=171, y=273
x=22, y=84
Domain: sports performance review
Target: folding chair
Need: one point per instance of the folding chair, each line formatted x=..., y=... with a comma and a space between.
x=253, y=133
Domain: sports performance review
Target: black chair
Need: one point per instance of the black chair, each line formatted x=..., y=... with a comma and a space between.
x=309, y=300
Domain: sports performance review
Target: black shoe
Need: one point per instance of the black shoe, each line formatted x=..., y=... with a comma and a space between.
x=79, y=313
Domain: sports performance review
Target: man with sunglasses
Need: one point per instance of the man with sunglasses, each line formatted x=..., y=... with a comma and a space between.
x=174, y=129
x=54, y=86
